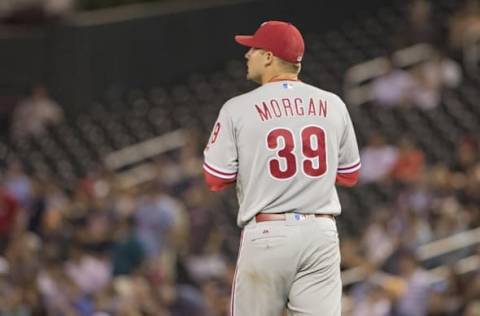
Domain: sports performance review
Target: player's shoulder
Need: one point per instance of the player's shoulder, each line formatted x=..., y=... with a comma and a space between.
x=332, y=98
x=238, y=101
x=325, y=93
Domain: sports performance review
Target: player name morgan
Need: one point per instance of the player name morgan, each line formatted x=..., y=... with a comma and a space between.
x=287, y=107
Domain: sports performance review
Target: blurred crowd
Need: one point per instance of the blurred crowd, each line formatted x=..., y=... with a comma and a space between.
x=108, y=249
x=33, y=115
x=430, y=202
x=168, y=246
x=426, y=200
x=421, y=86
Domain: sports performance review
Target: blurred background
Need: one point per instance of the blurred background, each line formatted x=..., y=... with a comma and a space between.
x=105, y=107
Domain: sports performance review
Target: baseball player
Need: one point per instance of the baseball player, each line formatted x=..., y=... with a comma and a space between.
x=284, y=145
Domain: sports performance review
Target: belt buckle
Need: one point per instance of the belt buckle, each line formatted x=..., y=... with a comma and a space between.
x=299, y=217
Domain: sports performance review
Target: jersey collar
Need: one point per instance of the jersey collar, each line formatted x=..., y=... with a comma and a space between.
x=282, y=78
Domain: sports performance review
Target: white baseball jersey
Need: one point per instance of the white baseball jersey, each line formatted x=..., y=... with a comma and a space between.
x=284, y=143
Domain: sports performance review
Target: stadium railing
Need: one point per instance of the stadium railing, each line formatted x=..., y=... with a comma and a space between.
x=430, y=251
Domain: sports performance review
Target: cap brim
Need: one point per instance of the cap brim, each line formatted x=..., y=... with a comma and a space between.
x=245, y=40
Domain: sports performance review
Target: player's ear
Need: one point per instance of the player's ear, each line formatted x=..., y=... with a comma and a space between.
x=268, y=58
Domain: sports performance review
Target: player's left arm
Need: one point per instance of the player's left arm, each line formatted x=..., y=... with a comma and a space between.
x=347, y=179
x=349, y=165
x=220, y=165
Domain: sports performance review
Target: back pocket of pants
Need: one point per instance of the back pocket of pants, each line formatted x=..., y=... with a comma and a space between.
x=267, y=237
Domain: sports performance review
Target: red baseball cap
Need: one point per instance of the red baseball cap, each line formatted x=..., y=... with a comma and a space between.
x=283, y=39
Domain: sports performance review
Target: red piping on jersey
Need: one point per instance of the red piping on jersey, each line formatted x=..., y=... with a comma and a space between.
x=350, y=167
x=347, y=179
x=227, y=174
x=215, y=183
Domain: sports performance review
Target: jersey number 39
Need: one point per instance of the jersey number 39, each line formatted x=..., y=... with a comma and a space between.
x=313, y=152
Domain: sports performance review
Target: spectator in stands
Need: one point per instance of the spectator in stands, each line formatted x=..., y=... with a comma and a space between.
x=24, y=254
x=128, y=252
x=420, y=26
x=136, y=296
x=415, y=230
x=377, y=159
x=8, y=217
x=446, y=297
x=393, y=88
x=378, y=241
x=216, y=297
x=34, y=114
x=445, y=223
x=56, y=289
x=425, y=94
x=374, y=302
x=38, y=208
x=432, y=78
x=12, y=302
x=443, y=71
x=467, y=154
x=199, y=203
x=473, y=308
x=465, y=24
x=409, y=164
x=469, y=194
x=189, y=301
x=106, y=302
x=417, y=197
x=412, y=297
x=189, y=157
x=89, y=272
x=20, y=268
x=156, y=217
x=19, y=184
x=471, y=294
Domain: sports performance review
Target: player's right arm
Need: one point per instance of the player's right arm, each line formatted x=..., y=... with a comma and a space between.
x=347, y=179
x=220, y=155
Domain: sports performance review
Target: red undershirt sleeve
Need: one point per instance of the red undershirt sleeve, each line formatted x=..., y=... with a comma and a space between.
x=347, y=179
x=215, y=183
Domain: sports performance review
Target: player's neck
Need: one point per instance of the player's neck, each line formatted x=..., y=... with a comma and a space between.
x=279, y=77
